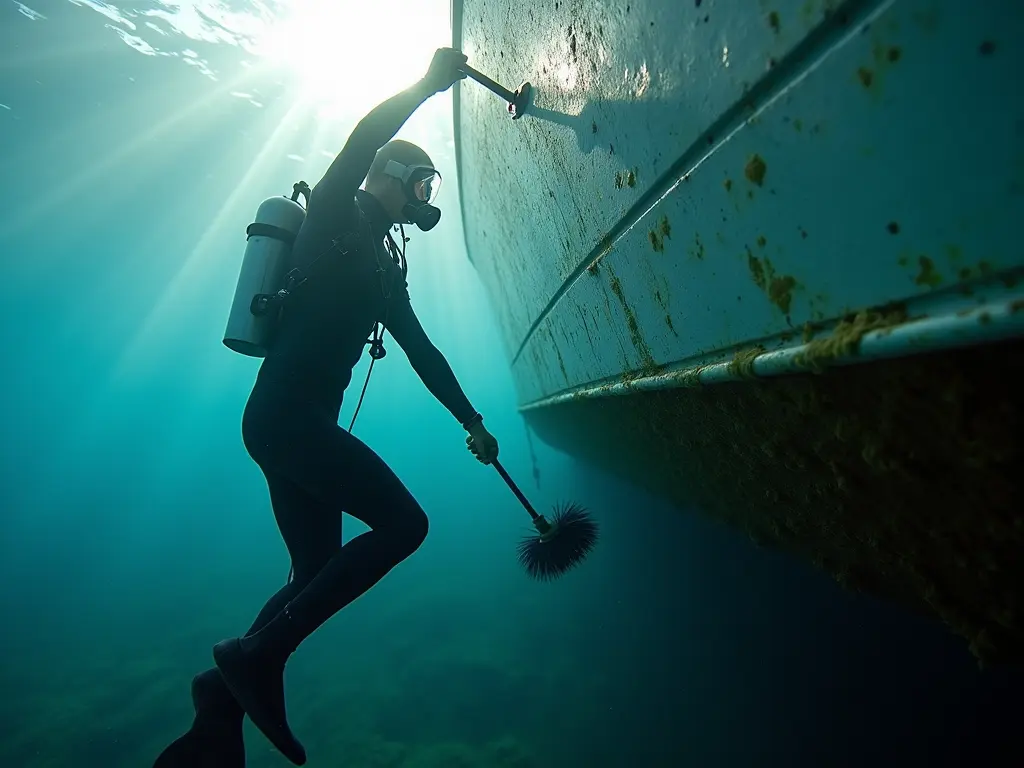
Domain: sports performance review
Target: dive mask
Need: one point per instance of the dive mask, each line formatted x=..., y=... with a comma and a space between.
x=420, y=184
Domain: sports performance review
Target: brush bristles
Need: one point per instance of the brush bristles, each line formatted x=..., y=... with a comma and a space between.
x=575, y=534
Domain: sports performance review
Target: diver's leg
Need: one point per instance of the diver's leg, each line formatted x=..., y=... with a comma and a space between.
x=312, y=537
x=352, y=477
x=312, y=534
x=342, y=474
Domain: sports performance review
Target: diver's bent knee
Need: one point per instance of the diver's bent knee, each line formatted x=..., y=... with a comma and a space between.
x=415, y=531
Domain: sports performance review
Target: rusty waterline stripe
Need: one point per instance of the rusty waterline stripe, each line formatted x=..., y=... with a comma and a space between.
x=992, y=322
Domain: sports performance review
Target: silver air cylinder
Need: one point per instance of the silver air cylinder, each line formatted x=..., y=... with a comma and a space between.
x=266, y=260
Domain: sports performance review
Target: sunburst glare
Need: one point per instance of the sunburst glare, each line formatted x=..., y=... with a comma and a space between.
x=344, y=56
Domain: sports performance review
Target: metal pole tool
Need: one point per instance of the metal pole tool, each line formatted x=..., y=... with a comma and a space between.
x=518, y=100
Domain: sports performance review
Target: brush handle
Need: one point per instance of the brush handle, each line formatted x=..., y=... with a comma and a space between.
x=494, y=87
x=515, y=489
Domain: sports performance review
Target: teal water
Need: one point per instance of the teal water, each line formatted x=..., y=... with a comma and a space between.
x=135, y=144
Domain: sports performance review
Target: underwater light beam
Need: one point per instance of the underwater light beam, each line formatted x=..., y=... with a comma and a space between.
x=108, y=165
x=191, y=265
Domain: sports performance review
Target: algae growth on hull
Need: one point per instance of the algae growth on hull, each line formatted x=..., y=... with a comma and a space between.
x=900, y=478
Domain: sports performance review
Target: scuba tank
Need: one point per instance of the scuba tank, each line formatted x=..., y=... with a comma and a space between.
x=269, y=239
x=265, y=282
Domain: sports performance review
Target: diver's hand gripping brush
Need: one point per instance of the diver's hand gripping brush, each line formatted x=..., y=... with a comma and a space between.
x=560, y=543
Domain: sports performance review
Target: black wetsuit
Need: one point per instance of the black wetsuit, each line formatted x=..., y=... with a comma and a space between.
x=315, y=469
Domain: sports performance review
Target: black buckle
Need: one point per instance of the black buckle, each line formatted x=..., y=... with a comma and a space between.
x=260, y=303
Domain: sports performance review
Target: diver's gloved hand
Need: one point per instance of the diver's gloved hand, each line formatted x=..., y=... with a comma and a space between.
x=482, y=443
x=444, y=69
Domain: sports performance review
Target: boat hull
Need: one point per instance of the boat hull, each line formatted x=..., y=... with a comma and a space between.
x=763, y=260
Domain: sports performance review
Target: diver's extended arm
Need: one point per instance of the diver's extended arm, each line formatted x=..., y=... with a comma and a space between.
x=428, y=362
x=371, y=133
x=380, y=126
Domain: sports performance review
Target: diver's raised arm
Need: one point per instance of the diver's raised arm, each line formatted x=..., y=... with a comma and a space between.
x=381, y=124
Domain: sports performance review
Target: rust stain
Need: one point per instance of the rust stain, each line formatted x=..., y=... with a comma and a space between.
x=698, y=247
x=884, y=55
x=657, y=236
x=927, y=275
x=756, y=169
x=761, y=241
x=778, y=288
x=780, y=292
x=610, y=315
x=756, y=270
x=727, y=184
x=634, y=328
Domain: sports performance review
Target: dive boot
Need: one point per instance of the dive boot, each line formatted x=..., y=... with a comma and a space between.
x=215, y=738
x=257, y=683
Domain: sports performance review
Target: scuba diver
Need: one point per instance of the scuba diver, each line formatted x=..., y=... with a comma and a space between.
x=315, y=469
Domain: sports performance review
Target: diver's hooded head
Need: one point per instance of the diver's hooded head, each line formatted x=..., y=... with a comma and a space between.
x=403, y=179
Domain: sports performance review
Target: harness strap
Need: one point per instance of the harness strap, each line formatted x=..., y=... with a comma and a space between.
x=269, y=230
